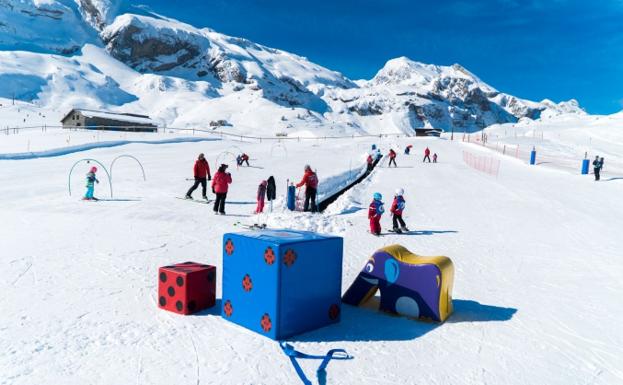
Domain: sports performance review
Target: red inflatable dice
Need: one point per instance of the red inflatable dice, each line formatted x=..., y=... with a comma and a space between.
x=187, y=287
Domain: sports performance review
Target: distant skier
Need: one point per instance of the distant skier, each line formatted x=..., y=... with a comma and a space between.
x=597, y=165
x=408, y=149
x=378, y=154
x=91, y=180
x=310, y=181
x=261, y=195
x=201, y=171
x=271, y=191
x=242, y=158
x=392, y=157
x=426, y=155
x=435, y=158
x=370, y=162
x=398, y=206
x=375, y=211
x=220, y=185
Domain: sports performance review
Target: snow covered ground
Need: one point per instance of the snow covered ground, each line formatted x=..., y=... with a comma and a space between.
x=562, y=141
x=536, y=252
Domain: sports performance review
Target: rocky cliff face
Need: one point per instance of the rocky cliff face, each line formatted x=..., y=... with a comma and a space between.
x=98, y=13
x=162, y=46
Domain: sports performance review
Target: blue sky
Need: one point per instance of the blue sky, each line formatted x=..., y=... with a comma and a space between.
x=557, y=49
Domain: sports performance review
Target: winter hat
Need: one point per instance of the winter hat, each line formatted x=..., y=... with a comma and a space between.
x=201, y=156
x=93, y=169
x=378, y=196
x=400, y=192
x=307, y=167
x=264, y=183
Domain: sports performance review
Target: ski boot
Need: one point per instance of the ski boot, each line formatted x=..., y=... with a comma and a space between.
x=405, y=229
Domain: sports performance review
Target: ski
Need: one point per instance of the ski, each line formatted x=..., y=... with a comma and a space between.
x=254, y=226
x=205, y=202
x=399, y=232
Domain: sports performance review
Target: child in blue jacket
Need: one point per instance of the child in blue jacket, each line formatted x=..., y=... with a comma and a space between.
x=91, y=180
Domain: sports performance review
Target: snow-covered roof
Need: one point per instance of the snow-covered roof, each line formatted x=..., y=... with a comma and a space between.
x=126, y=117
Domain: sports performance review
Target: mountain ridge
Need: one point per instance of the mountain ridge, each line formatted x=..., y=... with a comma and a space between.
x=200, y=66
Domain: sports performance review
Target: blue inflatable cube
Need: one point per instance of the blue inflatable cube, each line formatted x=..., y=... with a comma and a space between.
x=281, y=282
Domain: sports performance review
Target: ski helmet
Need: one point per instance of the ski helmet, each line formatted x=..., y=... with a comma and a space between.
x=378, y=196
x=400, y=192
x=93, y=169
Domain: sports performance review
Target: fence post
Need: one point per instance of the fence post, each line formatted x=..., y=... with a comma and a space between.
x=291, y=197
x=504, y=150
x=585, y=164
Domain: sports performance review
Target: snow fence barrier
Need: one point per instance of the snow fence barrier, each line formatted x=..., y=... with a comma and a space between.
x=486, y=164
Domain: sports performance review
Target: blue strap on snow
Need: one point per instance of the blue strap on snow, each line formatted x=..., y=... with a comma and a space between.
x=333, y=354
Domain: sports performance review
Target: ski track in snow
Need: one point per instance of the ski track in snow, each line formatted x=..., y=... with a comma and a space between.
x=535, y=254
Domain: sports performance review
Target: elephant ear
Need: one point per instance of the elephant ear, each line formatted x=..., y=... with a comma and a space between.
x=392, y=270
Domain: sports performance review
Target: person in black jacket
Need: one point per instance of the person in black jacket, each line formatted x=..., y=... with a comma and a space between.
x=271, y=191
x=597, y=165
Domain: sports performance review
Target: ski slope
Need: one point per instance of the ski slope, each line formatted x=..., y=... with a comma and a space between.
x=536, y=252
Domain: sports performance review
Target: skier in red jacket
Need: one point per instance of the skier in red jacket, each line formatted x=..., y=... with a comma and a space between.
x=245, y=159
x=426, y=155
x=310, y=180
x=261, y=196
x=392, y=158
x=375, y=211
x=201, y=170
x=220, y=185
x=370, y=162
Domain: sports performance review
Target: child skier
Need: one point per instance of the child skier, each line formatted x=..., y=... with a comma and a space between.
x=91, y=180
x=261, y=194
x=244, y=158
x=435, y=158
x=397, y=208
x=375, y=211
x=426, y=155
x=370, y=162
x=220, y=185
x=392, y=158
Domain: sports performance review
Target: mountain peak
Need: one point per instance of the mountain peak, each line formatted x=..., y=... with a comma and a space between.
x=98, y=13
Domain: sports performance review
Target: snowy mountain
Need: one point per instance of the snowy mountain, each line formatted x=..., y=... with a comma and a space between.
x=186, y=76
x=425, y=95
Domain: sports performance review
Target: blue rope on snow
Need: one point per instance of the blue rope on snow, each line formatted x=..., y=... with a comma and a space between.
x=333, y=354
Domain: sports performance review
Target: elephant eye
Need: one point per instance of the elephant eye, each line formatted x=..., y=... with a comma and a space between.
x=369, y=267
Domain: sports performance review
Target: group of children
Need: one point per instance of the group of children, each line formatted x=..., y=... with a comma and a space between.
x=392, y=156
x=377, y=209
x=222, y=180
